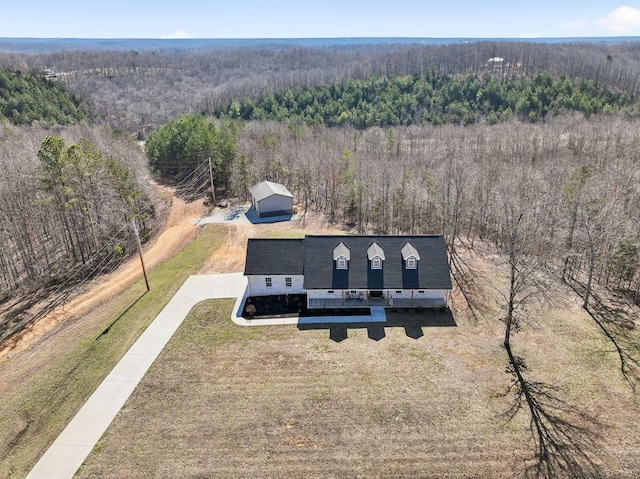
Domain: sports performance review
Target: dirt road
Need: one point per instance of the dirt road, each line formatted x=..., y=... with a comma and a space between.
x=179, y=230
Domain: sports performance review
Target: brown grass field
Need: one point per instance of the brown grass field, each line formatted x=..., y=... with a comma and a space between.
x=415, y=400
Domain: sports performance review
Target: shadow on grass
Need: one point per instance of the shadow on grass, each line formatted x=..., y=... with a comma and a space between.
x=113, y=323
x=563, y=444
x=619, y=329
x=14, y=313
x=616, y=329
x=29, y=309
x=338, y=332
x=411, y=320
x=467, y=280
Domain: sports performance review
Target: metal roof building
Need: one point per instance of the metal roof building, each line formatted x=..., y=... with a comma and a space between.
x=271, y=199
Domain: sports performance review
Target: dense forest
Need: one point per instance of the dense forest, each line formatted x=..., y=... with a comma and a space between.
x=470, y=140
x=31, y=97
x=178, y=148
x=437, y=99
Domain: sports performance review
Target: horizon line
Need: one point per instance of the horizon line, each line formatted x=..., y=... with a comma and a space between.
x=328, y=38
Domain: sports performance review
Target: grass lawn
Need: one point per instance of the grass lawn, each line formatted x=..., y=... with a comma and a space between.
x=60, y=374
x=224, y=401
x=425, y=397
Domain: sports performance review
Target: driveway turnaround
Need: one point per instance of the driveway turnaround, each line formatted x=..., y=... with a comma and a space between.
x=242, y=214
x=71, y=448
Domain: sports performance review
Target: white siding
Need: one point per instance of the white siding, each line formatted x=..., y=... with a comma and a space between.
x=274, y=203
x=429, y=294
x=426, y=294
x=404, y=293
x=257, y=284
x=323, y=294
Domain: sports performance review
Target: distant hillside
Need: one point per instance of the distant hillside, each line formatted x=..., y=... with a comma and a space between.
x=50, y=45
x=29, y=97
x=137, y=85
x=436, y=99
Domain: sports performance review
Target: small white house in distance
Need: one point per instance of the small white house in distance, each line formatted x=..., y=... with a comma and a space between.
x=271, y=199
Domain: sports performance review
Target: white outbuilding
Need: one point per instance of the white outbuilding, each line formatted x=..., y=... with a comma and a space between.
x=271, y=199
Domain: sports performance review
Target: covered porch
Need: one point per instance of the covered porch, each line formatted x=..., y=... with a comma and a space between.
x=385, y=299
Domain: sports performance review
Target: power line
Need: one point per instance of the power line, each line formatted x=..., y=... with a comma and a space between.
x=137, y=234
x=60, y=294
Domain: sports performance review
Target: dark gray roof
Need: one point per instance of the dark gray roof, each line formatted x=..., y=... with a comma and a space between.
x=274, y=256
x=432, y=271
x=313, y=257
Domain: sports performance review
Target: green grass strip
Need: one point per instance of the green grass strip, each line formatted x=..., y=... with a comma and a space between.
x=33, y=415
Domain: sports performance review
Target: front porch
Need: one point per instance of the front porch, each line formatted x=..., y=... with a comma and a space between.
x=365, y=302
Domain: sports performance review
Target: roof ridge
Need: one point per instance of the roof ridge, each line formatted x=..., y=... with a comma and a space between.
x=434, y=235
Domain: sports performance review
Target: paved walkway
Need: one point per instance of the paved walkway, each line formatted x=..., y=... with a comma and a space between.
x=74, y=444
x=71, y=448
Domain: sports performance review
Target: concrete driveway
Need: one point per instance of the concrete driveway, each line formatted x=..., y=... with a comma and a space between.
x=242, y=214
x=73, y=445
x=70, y=449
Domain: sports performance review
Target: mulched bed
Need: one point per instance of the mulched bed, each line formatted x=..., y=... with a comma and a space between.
x=291, y=305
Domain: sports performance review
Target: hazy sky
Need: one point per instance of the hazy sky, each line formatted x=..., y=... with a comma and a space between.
x=317, y=18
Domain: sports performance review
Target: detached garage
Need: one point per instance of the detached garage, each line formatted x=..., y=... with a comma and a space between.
x=271, y=199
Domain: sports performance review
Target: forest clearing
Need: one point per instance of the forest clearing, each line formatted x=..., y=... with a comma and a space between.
x=408, y=401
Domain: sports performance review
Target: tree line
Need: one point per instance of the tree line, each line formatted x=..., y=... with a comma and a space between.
x=66, y=205
x=433, y=98
x=570, y=183
x=176, y=149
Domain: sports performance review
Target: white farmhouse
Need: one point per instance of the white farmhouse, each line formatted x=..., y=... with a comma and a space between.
x=271, y=199
x=352, y=271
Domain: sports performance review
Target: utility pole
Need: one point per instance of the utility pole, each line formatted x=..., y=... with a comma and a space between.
x=137, y=233
x=213, y=189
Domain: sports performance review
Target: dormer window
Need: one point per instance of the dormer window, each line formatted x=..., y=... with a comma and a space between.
x=341, y=256
x=376, y=255
x=410, y=256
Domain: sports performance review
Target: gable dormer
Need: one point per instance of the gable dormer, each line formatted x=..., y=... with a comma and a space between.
x=410, y=256
x=376, y=256
x=341, y=255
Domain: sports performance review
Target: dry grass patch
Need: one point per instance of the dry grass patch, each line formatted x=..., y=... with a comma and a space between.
x=224, y=401
x=230, y=257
